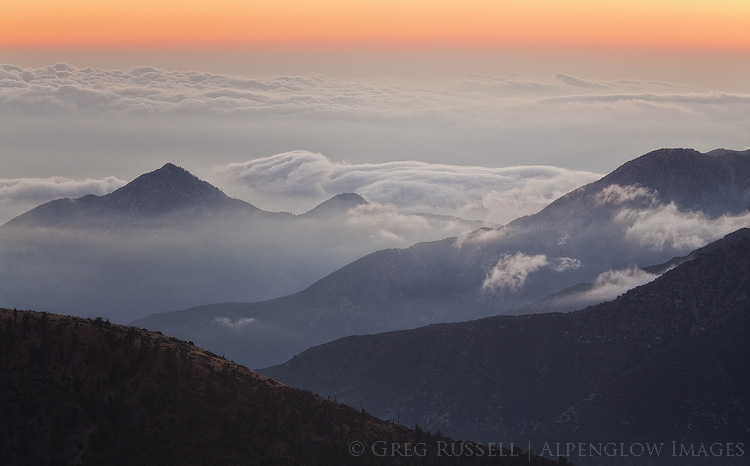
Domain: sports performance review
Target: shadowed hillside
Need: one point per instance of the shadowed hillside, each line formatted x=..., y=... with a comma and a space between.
x=667, y=361
x=88, y=392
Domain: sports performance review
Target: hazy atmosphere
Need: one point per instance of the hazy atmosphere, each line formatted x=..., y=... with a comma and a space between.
x=517, y=221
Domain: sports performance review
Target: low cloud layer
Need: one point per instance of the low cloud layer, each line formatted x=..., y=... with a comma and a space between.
x=667, y=227
x=607, y=286
x=93, y=122
x=497, y=195
x=612, y=283
x=237, y=324
x=511, y=271
x=18, y=195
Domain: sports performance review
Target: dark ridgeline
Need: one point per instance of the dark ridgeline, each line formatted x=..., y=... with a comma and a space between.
x=86, y=392
x=667, y=361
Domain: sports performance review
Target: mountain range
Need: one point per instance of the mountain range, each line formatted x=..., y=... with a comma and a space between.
x=658, y=206
x=167, y=240
x=87, y=392
x=666, y=362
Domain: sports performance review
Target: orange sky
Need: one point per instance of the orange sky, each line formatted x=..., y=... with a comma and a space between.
x=686, y=24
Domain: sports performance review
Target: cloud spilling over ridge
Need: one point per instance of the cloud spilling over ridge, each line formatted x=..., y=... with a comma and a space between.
x=511, y=271
x=482, y=237
x=46, y=188
x=667, y=227
x=612, y=283
x=496, y=194
x=18, y=195
x=558, y=120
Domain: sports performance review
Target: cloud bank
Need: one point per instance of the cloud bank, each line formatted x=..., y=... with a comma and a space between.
x=66, y=118
x=497, y=195
x=17, y=195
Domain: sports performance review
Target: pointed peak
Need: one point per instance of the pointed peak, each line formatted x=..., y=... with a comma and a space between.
x=170, y=177
x=169, y=167
x=168, y=188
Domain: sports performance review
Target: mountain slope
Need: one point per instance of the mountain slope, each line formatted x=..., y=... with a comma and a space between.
x=666, y=361
x=714, y=183
x=168, y=240
x=630, y=217
x=86, y=392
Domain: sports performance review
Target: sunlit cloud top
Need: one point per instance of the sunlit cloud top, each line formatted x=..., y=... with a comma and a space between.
x=719, y=24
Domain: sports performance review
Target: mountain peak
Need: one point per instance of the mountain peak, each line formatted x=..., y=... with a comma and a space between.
x=165, y=189
x=169, y=189
x=339, y=203
x=715, y=183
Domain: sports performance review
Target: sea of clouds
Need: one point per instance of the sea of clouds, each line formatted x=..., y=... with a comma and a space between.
x=485, y=147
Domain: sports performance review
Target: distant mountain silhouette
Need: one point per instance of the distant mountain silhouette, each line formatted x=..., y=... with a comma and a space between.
x=168, y=240
x=576, y=238
x=337, y=205
x=667, y=361
x=169, y=191
x=89, y=392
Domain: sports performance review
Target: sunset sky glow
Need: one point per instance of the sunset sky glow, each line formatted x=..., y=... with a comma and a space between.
x=686, y=24
x=95, y=89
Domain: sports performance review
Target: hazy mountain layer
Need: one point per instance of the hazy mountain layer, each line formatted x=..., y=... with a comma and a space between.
x=88, y=392
x=667, y=361
x=658, y=206
x=168, y=240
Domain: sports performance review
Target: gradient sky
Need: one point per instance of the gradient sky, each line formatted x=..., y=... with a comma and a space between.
x=684, y=24
x=677, y=41
x=580, y=85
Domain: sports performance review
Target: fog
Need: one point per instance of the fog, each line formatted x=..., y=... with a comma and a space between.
x=125, y=268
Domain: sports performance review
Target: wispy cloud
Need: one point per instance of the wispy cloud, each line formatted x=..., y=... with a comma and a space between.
x=511, y=271
x=46, y=188
x=667, y=227
x=237, y=324
x=610, y=284
x=616, y=195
